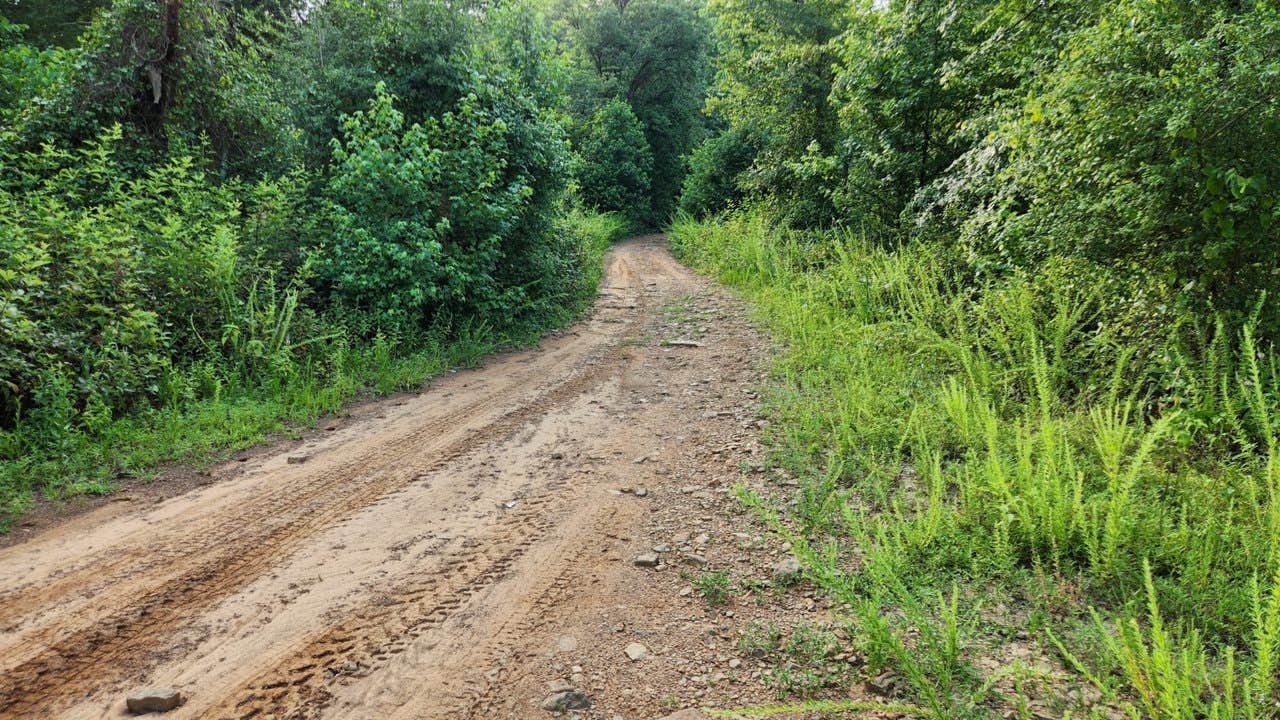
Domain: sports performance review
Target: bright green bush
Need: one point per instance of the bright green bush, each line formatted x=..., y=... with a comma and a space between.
x=1124, y=135
x=427, y=217
x=81, y=303
x=584, y=237
x=775, y=63
x=399, y=252
x=25, y=71
x=84, y=299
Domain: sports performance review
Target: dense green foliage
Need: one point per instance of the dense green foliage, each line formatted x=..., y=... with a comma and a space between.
x=84, y=309
x=652, y=55
x=616, y=163
x=1129, y=136
x=773, y=81
x=716, y=169
x=421, y=52
x=1166, y=171
x=236, y=214
x=1023, y=254
x=428, y=218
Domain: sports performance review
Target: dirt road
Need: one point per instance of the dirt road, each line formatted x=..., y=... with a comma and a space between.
x=439, y=555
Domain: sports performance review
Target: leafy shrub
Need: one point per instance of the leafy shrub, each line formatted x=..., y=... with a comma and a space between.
x=1138, y=151
x=79, y=300
x=283, y=218
x=25, y=71
x=714, y=182
x=427, y=217
x=569, y=268
x=616, y=163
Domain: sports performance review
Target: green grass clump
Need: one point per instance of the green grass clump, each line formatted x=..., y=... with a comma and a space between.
x=715, y=587
x=958, y=439
x=802, y=661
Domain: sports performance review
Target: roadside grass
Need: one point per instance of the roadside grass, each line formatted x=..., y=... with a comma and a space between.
x=958, y=442
x=62, y=451
x=233, y=417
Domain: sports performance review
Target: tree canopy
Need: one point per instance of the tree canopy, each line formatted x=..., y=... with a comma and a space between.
x=654, y=56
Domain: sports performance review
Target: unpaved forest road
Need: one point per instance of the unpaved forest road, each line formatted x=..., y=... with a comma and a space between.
x=439, y=555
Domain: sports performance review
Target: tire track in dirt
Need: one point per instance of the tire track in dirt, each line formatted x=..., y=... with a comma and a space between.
x=496, y=615
x=159, y=594
x=295, y=688
x=316, y=488
x=522, y=624
x=107, y=649
x=239, y=547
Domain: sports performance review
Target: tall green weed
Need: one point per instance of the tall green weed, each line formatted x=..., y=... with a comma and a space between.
x=986, y=432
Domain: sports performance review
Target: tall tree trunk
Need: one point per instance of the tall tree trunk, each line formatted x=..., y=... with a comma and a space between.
x=161, y=70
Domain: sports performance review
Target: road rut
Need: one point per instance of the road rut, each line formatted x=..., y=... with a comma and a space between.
x=416, y=562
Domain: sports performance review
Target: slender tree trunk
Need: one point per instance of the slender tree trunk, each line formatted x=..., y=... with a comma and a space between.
x=161, y=70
